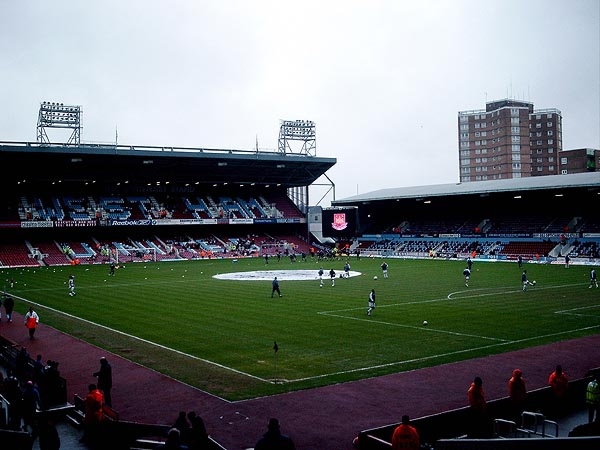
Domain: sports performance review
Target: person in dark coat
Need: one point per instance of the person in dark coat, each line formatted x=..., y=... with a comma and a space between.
x=273, y=439
x=104, y=376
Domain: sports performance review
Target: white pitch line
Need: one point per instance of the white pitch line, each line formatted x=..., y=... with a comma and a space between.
x=421, y=328
x=187, y=355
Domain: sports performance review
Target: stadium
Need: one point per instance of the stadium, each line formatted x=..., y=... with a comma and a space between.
x=198, y=234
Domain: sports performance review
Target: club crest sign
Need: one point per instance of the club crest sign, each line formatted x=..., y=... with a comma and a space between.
x=339, y=222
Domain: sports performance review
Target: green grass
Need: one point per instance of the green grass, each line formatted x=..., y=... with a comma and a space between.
x=218, y=335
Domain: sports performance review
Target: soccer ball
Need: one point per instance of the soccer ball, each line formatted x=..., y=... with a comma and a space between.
x=375, y=277
x=425, y=323
x=534, y=282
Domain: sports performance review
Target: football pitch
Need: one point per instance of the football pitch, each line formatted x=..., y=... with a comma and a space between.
x=213, y=324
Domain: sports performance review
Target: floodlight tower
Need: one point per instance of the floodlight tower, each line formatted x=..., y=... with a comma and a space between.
x=302, y=131
x=59, y=115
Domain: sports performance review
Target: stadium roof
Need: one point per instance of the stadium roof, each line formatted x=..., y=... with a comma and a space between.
x=589, y=180
x=117, y=163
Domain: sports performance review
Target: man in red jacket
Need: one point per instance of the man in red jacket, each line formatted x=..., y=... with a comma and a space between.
x=406, y=437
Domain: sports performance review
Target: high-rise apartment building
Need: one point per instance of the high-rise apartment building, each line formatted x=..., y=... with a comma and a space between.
x=509, y=139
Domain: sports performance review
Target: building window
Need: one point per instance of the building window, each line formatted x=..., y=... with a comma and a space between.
x=538, y=134
x=464, y=119
x=477, y=134
x=484, y=150
x=464, y=136
x=515, y=138
x=550, y=149
x=538, y=116
x=538, y=142
x=538, y=151
x=549, y=124
x=465, y=144
x=516, y=148
x=515, y=130
x=563, y=160
x=464, y=127
x=564, y=172
x=540, y=168
x=477, y=143
x=465, y=153
x=465, y=162
x=516, y=157
x=483, y=124
x=514, y=112
x=550, y=133
x=550, y=141
x=484, y=133
x=551, y=168
x=538, y=125
x=514, y=121
x=550, y=158
x=477, y=124
x=484, y=142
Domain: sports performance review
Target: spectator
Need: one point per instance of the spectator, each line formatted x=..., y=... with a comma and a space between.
x=173, y=441
x=559, y=384
x=405, y=436
x=273, y=439
x=104, y=376
x=30, y=403
x=517, y=392
x=197, y=438
x=93, y=414
x=478, y=424
x=592, y=400
x=48, y=435
x=182, y=424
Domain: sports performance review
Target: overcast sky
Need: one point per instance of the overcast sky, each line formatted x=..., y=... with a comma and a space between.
x=382, y=79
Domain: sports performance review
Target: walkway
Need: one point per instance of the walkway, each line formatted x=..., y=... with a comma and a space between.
x=325, y=418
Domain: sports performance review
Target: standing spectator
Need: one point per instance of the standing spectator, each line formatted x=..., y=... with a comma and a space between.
x=405, y=436
x=48, y=435
x=197, y=438
x=371, y=302
x=593, y=281
x=467, y=275
x=332, y=276
x=559, y=384
x=31, y=321
x=275, y=288
x=273, y=439
x=182, y=424
x=30, y=404
x=478, y=414
x=71, y=284
x=384, y=269
x=592, y=400
x=104, y=383
x=517, y=393
x=9, y=304
x=93, y=415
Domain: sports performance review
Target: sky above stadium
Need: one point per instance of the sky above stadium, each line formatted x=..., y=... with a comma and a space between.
x=382, y=79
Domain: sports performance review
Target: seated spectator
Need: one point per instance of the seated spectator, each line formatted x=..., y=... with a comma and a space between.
x=173, y=441
x=273, y=439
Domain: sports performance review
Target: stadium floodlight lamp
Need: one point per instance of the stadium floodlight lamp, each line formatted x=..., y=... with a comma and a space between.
x=301, y=131
x=57, y=115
